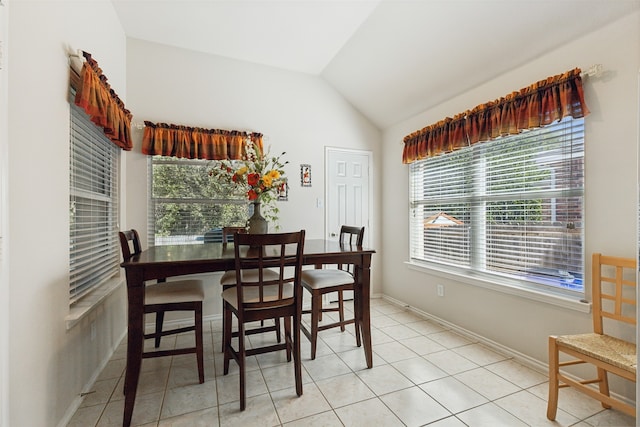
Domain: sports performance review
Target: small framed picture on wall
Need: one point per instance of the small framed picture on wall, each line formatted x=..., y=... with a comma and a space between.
x=305, y=175
x=283, y=192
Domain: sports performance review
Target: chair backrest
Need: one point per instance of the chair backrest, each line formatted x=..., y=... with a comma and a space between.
x=352, y=236
x=613, y=289
x=279, y=252
x=228, y=232
x=129, y=243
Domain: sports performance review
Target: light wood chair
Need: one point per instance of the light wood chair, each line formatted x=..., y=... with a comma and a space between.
x=614, y=300
x=256, y=298
x=320, y=282
x=179, y=295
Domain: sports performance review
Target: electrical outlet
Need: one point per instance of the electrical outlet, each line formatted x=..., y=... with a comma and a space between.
x=93, y=331
x=440, y=290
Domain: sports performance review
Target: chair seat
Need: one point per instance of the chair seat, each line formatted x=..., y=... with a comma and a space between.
x=178, y=291
x=325, y=278
x=606, y=348
x=229, y=277
x=251, y=294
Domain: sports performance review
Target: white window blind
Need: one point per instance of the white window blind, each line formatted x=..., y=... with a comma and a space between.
x=93, y=206
x=511, y=208
x=187, y=205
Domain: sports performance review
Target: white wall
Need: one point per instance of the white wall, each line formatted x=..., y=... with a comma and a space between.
x=49, y=365
x=297, y=113
x=4, y=281
x=611, y=192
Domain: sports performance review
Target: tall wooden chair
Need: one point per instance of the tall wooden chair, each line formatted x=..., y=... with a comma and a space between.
x=179, y=295
x=257, y=298
x=614, y=300
x=228, y=232
x=228, y=280
x=320, y=282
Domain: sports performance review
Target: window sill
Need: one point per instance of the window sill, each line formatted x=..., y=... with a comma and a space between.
x=83, y=307
x=565, y=301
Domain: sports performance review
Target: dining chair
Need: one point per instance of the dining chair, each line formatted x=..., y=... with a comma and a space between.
x=228, y=232
x=614, y=302
x=178, y=295
x=256, y=298
x=320, y=282
x=228, y=279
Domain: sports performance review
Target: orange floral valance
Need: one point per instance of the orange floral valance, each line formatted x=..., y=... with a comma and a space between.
x=537, y=105
x=195, y=143
x=95, y=96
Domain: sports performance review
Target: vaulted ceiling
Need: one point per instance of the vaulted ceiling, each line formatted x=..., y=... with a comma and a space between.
x=390, y=59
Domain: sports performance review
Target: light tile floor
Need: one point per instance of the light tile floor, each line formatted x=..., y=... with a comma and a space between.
x=423, y=374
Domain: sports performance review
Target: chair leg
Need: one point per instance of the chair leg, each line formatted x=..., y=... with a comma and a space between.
x=199, y=342
x=241, y=364
x=278, y=332
x=224, y=327
x=341, y=310
x=316, y=314
x=552, y=403
x=297, y=362
x=287, y=336
x=603, y=384
x=356, y=324
x=224, y=319
x=159, y=321
x=356, y=319
x=226, y=337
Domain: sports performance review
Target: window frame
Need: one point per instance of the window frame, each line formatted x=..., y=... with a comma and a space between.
x=472, y=273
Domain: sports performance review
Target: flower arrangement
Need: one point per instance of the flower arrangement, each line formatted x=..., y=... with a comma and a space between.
x=259, y=177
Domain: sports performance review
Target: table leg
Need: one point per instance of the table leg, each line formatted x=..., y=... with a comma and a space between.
x=364, y=305
x=135, y=340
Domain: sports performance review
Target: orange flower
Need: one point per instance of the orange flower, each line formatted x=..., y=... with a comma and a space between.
x=252, y=195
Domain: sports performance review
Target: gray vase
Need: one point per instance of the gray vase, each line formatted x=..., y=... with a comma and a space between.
x=257, y=223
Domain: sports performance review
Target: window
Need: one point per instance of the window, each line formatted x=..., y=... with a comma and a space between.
x=93, y=206
x=510, y=209
x=187, y=205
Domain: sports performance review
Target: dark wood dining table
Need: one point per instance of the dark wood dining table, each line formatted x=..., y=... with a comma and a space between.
x=160, y=262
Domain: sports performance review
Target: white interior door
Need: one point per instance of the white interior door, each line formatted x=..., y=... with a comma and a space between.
x=347, y=186
x=347, y=175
